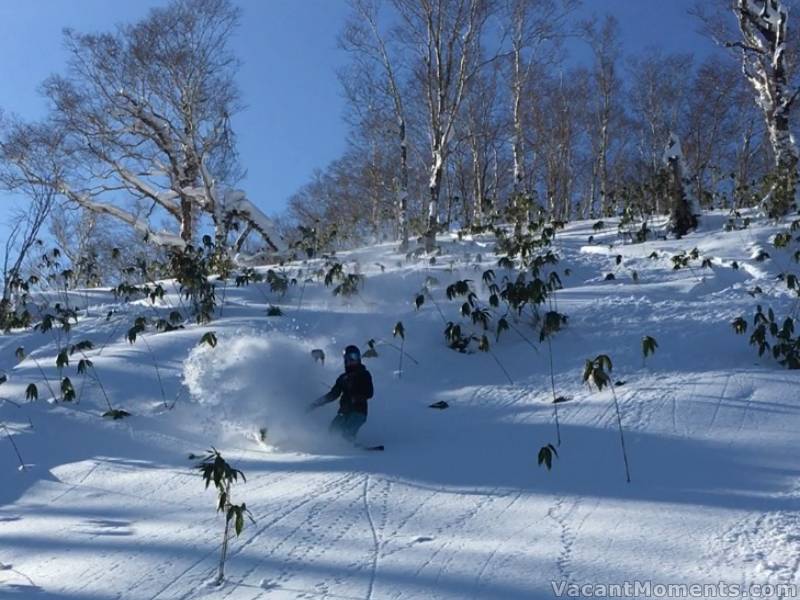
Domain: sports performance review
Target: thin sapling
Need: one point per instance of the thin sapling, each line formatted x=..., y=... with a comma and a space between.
x=22, y=466
x=214, y=468
x=597, y=371
x=400, y=331
x=553, y=321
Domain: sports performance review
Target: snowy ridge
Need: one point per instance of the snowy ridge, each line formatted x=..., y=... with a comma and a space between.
x=456, y=507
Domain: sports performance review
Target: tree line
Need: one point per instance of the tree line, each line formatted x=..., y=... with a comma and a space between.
x=461, y=114
x=465, y=112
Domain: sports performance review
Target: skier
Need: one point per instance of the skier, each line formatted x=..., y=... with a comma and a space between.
x=354, y=386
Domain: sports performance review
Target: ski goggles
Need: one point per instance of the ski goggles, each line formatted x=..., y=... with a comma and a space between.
x=352, y=356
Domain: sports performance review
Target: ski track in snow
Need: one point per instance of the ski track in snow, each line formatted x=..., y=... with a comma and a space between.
x=768, y=545
x=721, y=400
x=376, y=550
x=301, y=547
x=263, y=523
x=74, y=486
x=456, y=507
x=498, y=546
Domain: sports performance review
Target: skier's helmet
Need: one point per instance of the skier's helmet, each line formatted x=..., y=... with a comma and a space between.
x=352, y=355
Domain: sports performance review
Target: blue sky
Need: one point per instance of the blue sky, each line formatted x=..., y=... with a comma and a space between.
x=292, y=123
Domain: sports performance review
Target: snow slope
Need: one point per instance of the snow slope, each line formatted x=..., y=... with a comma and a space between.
x=457, y=506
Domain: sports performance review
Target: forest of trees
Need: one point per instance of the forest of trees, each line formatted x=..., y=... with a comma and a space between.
x=464, y=112
x=461, y=114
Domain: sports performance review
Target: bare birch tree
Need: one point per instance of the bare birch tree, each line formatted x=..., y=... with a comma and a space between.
x=657, y=100
x=378, y=71
x=764, y=47
x=684, y=209
x=603, y=38
x=764, y=25
x=27, y=222
x=483, y=129
x=557, y=132
x=534, y=28
x=144, y=114
x=716, y=123
x=445, y=38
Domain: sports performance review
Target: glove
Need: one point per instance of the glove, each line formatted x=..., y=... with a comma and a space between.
x=315, y=404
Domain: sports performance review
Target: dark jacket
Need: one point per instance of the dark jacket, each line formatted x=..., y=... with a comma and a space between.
x=355, y=388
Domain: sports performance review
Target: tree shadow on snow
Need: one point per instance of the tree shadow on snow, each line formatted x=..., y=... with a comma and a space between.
x=487, y=452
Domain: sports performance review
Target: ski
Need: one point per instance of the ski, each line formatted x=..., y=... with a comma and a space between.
x=380, y=447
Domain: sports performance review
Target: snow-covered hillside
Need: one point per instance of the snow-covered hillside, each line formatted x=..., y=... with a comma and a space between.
x=456, y=507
